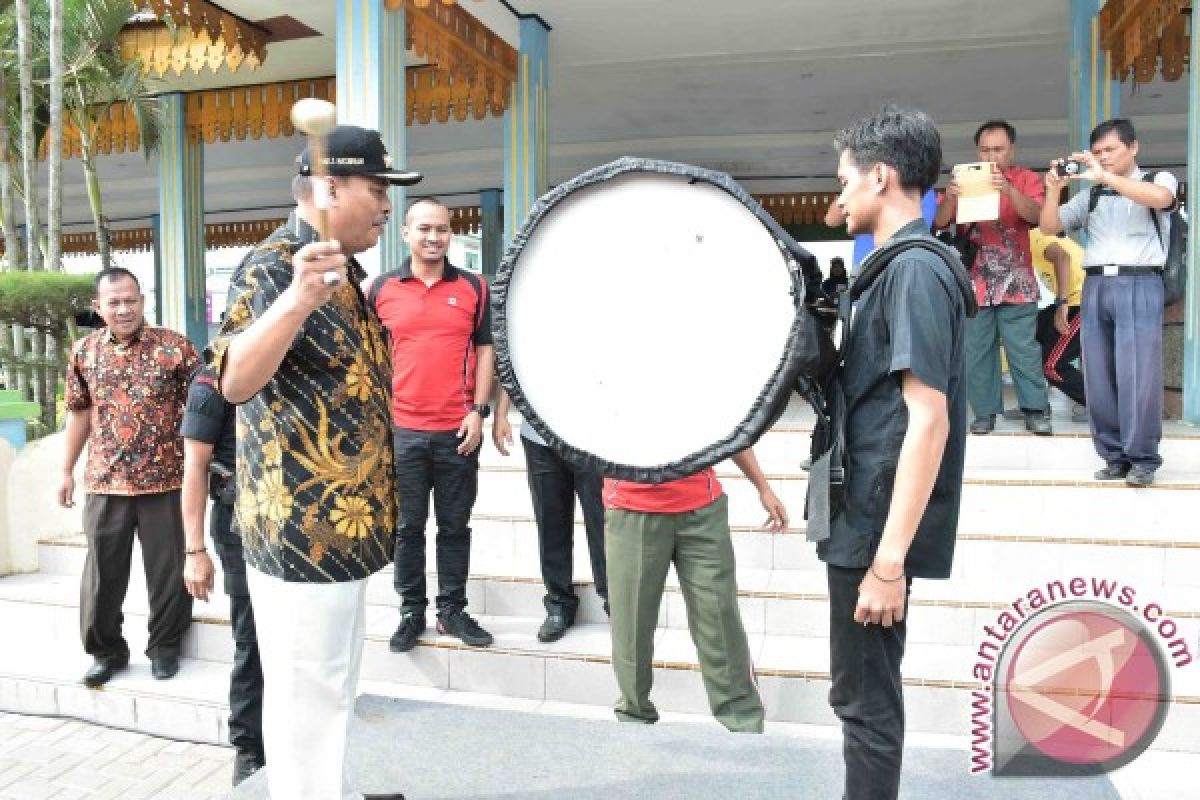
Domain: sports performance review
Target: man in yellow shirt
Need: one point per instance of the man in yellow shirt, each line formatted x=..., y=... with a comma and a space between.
x=1058, y=262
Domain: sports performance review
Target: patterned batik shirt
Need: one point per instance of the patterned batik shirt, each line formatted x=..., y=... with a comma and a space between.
x=316, y=497
x=1003, y=268
x=135, y=392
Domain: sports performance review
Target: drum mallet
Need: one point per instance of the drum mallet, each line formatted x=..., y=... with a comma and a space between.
x=316, y=118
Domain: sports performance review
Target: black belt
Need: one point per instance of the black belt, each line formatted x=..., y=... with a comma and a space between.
x=1122, y=269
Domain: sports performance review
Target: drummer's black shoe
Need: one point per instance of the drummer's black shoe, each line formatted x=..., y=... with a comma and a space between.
x=555, y=627
x=459, y=623
x=245, y=764
x=411, y=626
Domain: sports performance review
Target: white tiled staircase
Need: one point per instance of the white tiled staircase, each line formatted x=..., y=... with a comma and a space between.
x=1031, y=514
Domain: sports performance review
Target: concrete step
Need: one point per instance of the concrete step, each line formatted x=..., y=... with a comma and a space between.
x=989, y=575
x=1010, y=447
x=792, y=671
x=1046, y=502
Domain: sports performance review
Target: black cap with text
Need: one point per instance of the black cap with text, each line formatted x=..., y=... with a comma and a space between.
x=351, y=150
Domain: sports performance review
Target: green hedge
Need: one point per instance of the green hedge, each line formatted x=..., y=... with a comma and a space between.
x=47, y=301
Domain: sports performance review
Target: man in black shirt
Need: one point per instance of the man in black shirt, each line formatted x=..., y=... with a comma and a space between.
x=905, y=428
x=209, y=450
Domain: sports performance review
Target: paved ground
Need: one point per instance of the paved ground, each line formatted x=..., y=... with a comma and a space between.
x=60, y=759
x=435, y=751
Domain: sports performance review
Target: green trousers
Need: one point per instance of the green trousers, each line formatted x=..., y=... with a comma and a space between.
x=1015, y=326
x=639, y=548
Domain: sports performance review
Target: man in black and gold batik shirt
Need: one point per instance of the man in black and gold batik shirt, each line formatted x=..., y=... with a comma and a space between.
x=315, y=490
x=315, y=496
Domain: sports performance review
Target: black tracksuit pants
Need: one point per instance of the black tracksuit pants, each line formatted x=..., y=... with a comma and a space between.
x=246, y=677
x=553, y=485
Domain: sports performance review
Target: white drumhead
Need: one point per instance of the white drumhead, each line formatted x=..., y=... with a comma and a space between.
x=645, y=316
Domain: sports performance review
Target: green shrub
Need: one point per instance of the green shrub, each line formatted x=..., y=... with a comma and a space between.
x=47, y=301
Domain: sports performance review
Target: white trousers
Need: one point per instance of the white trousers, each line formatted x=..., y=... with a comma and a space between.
x=310, y=641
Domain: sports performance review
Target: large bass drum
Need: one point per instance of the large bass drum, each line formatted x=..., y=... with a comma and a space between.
x=649, y=319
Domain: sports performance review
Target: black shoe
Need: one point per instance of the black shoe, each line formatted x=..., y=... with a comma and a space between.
x=460, y=624
x=1140, y=476
x=102, y=670
x=1113, y=472
x=245, y=764
x=1038, y=422
x=386, y=796
x=411, y=626
x=164, y=667
x=984, y=424
x=554, y=627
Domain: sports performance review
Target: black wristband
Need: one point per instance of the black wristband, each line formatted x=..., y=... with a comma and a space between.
x=196, y=552
x=886, y=580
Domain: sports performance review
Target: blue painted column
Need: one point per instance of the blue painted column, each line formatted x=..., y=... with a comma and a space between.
x=1191, y=321
x=491, y=230
x=525, y=139
x=371, y=88
x=156, y=251
x=1094, y=96
x=181, y=288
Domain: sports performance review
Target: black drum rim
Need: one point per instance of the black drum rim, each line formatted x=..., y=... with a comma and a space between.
x=771, y=400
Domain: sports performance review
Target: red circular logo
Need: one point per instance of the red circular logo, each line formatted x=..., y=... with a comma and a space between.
x=1087, y=687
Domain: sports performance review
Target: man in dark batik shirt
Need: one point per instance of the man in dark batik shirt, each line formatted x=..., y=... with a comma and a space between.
x=315, y=490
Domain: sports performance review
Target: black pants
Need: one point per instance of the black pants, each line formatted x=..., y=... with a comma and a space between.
x=110, y=523
x=1060, y=351
x=866, y=692
x=246, y=677
x=553, y=484
x=429, y=461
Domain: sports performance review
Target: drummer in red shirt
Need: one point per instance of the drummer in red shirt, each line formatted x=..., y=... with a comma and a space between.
x=686, y=522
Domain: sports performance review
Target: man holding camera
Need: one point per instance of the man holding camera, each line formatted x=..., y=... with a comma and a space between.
x=1122, y=307
x=1005, y=287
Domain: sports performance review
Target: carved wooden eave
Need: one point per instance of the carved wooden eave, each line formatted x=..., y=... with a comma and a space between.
x=192, y=35
x=466, y=219
x=242, y=233
x=264, y=110
x=472, y=69
x=797, y=208
x=249, y=112
x=1145, y=37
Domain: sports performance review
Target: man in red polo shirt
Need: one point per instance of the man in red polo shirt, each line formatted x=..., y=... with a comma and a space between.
x=440, y=327
x=685, y=522
x=1006, y=289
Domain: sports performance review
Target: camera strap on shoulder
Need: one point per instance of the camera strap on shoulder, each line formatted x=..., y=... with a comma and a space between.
x=826, y=495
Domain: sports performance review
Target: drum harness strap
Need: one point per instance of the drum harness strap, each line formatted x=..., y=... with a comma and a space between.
x=826, y=496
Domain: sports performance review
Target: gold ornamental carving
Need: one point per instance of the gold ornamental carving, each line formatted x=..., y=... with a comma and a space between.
x=797, y=208
x=264, y=110
x=241, y=233
x=1146, y=37
x=192, y=35
x=471, y=69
